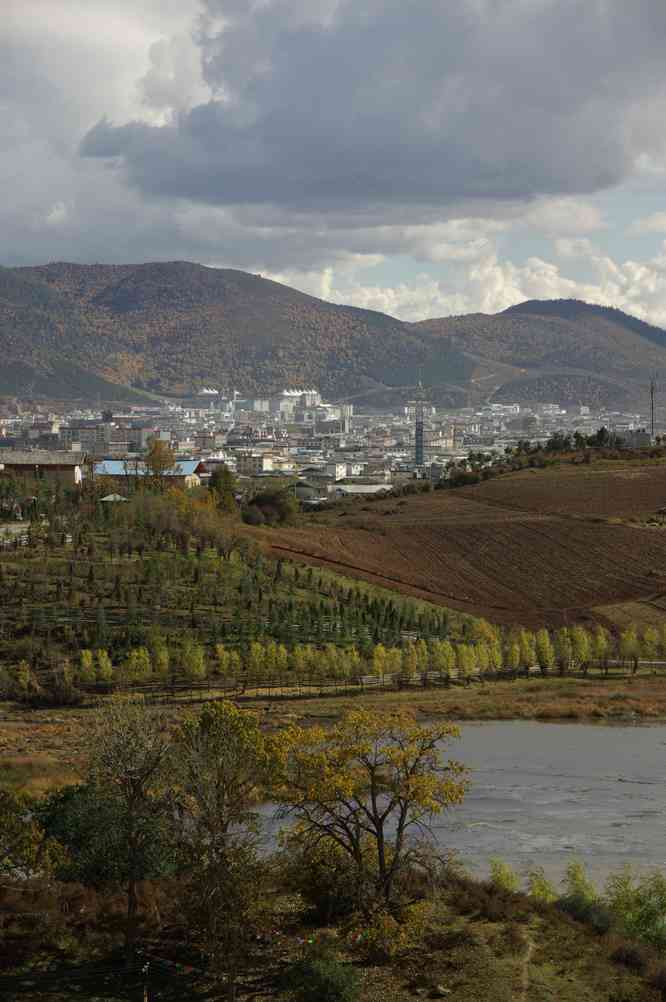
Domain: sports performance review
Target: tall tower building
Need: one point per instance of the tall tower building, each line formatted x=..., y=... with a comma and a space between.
x=418, y=427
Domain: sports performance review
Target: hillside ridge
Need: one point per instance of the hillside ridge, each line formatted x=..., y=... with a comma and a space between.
x=172, y=326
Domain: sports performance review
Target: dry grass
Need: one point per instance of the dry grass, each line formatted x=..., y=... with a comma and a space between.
x=40, y=750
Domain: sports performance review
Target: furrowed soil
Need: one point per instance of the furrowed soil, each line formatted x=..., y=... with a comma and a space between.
x=539, y=547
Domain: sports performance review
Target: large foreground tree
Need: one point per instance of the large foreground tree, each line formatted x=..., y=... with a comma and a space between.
x=371, y=785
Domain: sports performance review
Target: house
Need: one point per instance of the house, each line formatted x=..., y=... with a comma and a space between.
x=251, y=463
x=186, y=473
x=361, y=490
x=306, y=491
x=64, y=467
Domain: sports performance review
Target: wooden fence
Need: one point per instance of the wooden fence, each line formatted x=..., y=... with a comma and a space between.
x=245, y=688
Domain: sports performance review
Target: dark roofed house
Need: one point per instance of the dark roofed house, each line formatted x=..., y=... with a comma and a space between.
x=67, y=467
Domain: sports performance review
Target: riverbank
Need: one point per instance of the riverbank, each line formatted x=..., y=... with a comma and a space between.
x=40, y=749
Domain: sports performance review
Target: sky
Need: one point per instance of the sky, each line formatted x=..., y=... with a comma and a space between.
x=423, y=158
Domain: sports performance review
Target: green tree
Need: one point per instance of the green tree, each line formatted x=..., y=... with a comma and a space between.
x=650, y=643
x=545, y=652
x=539, y=887
x=224, y=488
x=137, y=667
x=224, y=761
x=630, y=648
x=581, y=648
x=87, y=671
x=193, y=660
x=638, y=904
x=503, y=876
x=601, y=645
x=128, y=751
x=495, y=654
x=25, y=848
x=563, y=649
x=527, y=644
x=104, y=666
x=512, y=658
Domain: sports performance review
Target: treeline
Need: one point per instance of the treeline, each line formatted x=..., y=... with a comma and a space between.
x=560, y=447
x=488, y=651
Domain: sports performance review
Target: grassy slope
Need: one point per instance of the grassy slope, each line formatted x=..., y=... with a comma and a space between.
x=477, y=945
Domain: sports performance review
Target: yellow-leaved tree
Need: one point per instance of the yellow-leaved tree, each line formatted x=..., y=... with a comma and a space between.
x=371, y=785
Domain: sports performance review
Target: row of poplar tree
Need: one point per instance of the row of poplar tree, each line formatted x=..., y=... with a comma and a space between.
x=492, y=651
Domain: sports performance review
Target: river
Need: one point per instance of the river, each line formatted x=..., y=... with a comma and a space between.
x=543, y=793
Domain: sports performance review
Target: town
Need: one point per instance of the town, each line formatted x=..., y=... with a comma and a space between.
x=324, y=451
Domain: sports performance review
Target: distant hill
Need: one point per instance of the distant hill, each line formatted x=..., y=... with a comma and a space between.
x=116, y=331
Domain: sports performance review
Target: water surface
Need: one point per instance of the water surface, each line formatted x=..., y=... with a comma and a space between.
x=542, y=793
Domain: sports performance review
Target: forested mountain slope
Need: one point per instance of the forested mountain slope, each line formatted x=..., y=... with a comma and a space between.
x=111, y=330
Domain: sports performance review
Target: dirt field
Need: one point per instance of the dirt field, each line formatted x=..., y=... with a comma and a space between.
x=545, y=547
x=622, y=491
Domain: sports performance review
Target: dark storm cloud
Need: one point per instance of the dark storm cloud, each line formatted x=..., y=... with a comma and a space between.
x=338, y=104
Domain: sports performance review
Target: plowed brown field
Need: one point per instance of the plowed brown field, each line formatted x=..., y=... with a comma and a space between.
x=533, y=548
x=629, y=491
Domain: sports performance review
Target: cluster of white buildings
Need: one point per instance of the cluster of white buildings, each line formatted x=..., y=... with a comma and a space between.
x=323, y=448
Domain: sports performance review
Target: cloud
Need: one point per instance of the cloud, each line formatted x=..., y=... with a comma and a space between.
x=655, y=223
x=338, y=144
x=340, y=103
x=556, y=216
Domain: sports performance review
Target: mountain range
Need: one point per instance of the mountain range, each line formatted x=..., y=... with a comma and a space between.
x=119, y=332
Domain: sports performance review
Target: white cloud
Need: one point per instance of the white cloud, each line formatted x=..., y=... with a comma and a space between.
x=655, y=223
x=559, y=216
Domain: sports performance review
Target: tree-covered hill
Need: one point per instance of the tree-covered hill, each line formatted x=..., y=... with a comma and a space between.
x=171, y=327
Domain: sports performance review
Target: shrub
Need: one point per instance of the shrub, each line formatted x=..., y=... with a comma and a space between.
x=630, y=957
x=324, y=875
x=253, y=515
x=385, y=938
x=590, y=913
x=503, y=876
x=322, y=977
x=490, y=902
x=577, y=883
x=639, y=905
x=539, y=887
x=658, y=981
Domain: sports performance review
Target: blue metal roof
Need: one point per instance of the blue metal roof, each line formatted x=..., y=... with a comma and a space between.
x=129, y=468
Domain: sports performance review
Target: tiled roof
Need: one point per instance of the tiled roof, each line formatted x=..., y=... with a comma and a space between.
x=40, y=457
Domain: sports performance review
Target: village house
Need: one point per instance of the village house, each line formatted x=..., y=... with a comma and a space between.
x=186, y=473
x=64, y=467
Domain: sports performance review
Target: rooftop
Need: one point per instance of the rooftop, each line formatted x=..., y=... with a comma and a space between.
x=40, y=457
